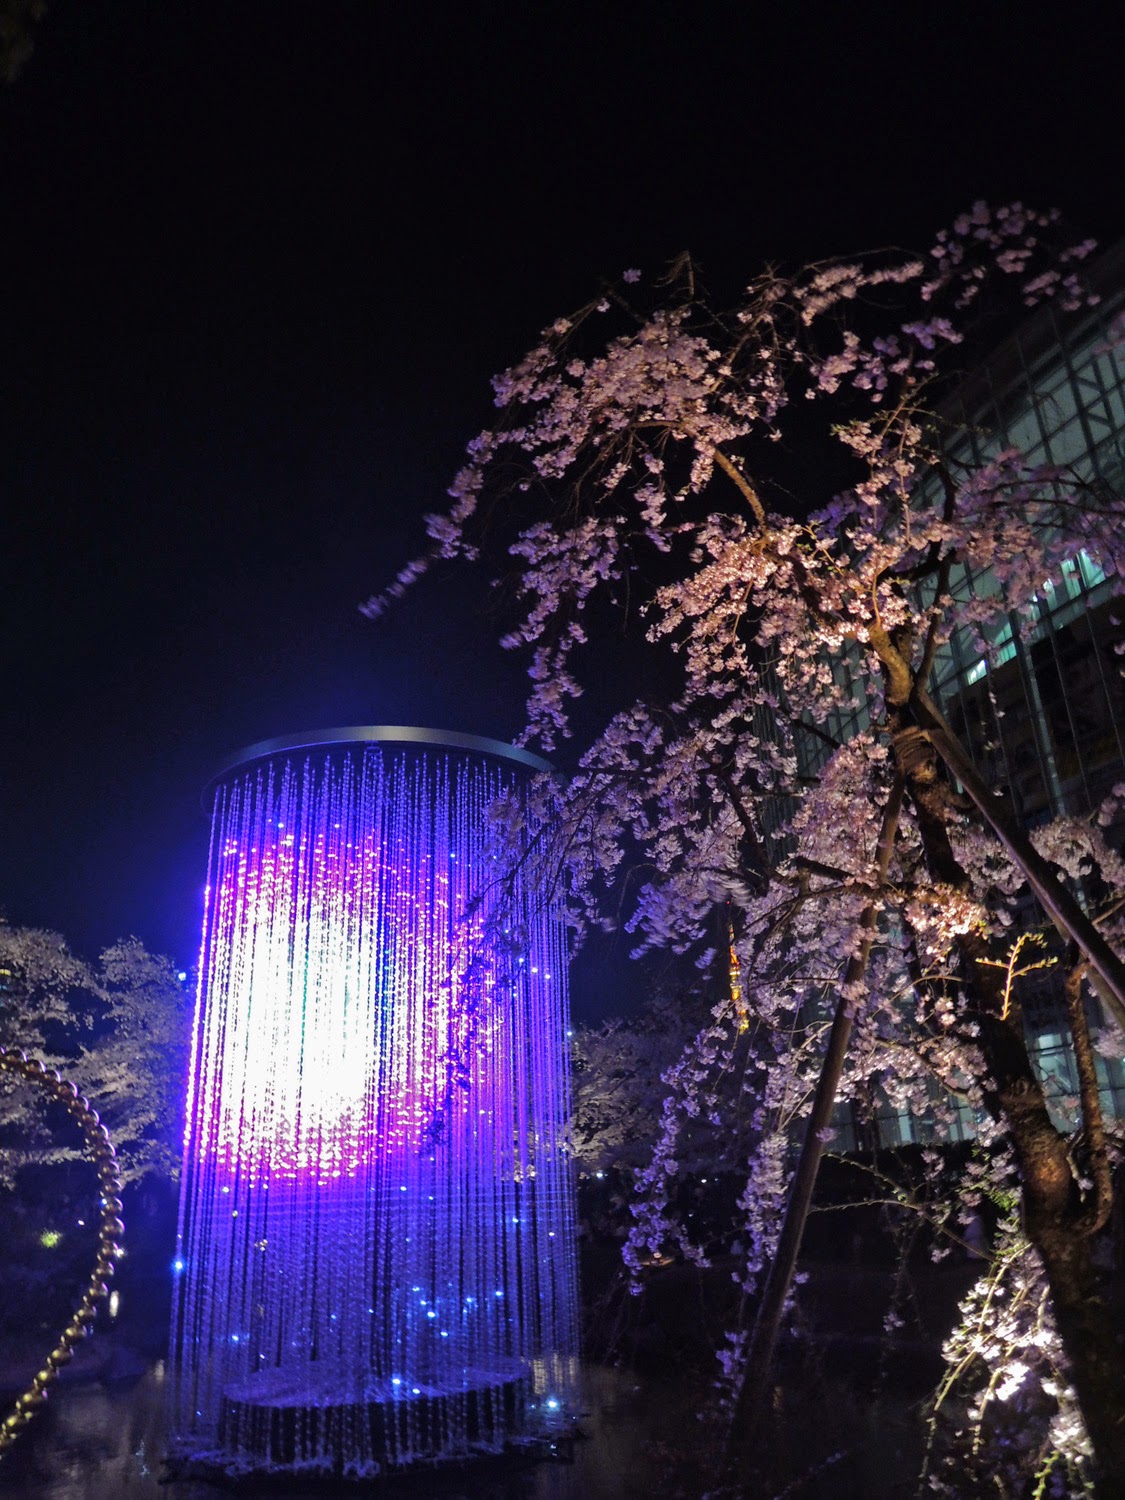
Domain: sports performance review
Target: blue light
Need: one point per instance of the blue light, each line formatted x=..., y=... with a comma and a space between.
x=321, y=1086
x=551, y=1404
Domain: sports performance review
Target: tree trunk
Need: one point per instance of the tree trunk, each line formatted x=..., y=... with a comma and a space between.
x=1089, y=1335
x=1056, y=1221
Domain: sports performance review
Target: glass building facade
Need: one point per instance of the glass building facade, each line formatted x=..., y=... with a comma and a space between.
x=1042, y=709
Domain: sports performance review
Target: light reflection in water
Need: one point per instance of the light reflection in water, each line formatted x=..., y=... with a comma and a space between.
x=100, y=1442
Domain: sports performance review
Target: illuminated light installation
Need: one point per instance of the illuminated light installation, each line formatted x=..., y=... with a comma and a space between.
x=375, y=1262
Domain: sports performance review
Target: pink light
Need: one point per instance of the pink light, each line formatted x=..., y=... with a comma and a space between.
x=377, y=1103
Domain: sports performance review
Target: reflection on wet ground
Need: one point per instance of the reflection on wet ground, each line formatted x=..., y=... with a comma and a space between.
x=106, y=1442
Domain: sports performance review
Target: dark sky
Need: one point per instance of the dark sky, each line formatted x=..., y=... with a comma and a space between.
x=258, y=262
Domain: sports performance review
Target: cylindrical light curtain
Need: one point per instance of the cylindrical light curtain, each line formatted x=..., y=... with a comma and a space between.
x=376, y=1256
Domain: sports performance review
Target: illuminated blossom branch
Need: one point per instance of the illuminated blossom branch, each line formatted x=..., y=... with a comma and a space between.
x=635, y=460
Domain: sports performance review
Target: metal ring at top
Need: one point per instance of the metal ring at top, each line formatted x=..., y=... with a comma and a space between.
x=363, y=734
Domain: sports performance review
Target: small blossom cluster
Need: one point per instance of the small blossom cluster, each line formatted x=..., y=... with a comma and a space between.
x=734, y=798
x=1006, y=1409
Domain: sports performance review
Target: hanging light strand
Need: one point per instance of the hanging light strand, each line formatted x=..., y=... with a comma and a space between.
x=375, y=1256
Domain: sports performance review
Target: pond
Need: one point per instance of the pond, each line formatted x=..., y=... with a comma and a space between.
x=102, y=1439
x=844, y=1420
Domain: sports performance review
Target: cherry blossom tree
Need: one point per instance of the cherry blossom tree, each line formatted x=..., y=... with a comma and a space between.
x=616, y=1088
x=118, y=1027
x=642, y=462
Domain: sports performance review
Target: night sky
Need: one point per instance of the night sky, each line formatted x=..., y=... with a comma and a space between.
x=258, y=262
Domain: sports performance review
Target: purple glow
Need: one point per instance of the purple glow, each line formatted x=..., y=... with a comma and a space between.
x=375, y=1138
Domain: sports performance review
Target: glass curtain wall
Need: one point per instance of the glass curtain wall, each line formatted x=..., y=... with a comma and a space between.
x=1041, y=709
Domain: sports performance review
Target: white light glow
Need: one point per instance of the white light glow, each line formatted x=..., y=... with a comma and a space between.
x=375, y=1146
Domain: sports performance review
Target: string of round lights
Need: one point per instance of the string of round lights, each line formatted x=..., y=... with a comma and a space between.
x=100, y=1150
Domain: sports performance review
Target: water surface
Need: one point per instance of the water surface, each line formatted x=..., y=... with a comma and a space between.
x=98, y=1441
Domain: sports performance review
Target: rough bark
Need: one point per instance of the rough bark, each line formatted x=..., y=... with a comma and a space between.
x=1056, y=1219
x=1096, y=1149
